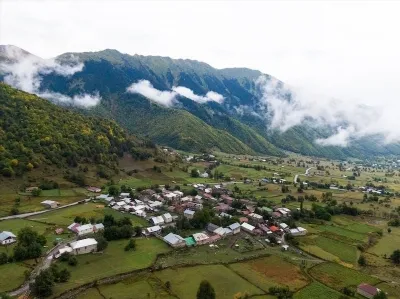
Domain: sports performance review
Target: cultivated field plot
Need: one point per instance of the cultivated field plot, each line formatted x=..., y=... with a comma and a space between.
x=338, y=277
x=11, y=276
x=317, y=290
x=185, y=281
x=392, y=291
x=387, y=244
x=114, y=260
x=346, y=253
x=66, y=216
x=271, y=271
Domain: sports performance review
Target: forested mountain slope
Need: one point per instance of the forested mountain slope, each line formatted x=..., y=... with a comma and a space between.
x=36, y=132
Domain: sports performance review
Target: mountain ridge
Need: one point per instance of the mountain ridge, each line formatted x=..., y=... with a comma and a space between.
x=110, y=73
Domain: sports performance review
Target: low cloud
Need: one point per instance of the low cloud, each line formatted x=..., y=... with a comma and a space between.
x=146, y=89
x=286, y=107
x=188, y=93
x=168, y=98
x=25, y=71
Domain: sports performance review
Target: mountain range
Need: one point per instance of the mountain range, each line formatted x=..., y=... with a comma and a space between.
x=185, y=104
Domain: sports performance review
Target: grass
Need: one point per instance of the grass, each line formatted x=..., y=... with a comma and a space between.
x=343, y=232
x=143, y=286
x=114, y=260
x=11, y=276
x=317, y=290
x=66, y=216
x=185, y=281
x=392, y=290
x=338, y=277
x=388, y=243
x=271, y=271
x=345, y=252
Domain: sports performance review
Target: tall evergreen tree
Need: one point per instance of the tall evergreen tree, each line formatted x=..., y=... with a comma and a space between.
x=205, y=291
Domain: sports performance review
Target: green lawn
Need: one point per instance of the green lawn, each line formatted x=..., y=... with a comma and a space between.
x=66, y=216
x=113, y=261
x=271, y=271
x=345, y=252
x=11, y=276
x=338, y=277
x=15, y=225
x=317, y=290
x=343, y=232
x=388, y=243
x=185, y=281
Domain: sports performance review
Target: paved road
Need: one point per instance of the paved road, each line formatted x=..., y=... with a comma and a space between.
x=42, y=265
x=306, y=173
x=38, y=213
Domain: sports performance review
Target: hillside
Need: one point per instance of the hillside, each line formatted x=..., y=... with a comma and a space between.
x=35, y=132
x=239, y=124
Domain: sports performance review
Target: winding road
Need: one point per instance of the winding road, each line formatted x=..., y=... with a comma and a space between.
x=306, y=173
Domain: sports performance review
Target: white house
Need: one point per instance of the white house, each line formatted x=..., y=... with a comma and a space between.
x=167, y=217
x=200, y=238
x=157, y=220
x=84, y=229
x=174, y=240
x=235, y=228
x=124, y=195
x=7, y=238
x=153, y=230
x=84, y=246
x=50, y=204
x=178, y=193
x=283, y=225
x=204, y=175
x=188, y=214
x=248, y=227
x=298, y=231
x=256, y=217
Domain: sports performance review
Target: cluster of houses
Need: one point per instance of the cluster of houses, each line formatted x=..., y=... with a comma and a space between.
x=212, y=234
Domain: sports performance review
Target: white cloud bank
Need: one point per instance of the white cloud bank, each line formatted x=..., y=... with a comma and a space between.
x=168, y=98
x=24, y=71
x=349, y=119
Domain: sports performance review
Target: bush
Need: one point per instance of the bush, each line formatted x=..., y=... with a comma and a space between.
x=131, y=245
x=72, y=261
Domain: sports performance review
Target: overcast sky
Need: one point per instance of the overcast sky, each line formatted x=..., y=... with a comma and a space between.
x=341, y=49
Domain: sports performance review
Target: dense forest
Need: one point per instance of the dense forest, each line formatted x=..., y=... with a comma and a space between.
x=34, y=132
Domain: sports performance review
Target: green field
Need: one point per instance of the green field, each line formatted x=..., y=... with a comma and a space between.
x=343, y=251
x=142, y=286
x=388, y=243
x=185, y=281
x=317, y=290
x=66, y=216
x=338, y=277
x=343, y=232
x=271, y=271
x=114, y=260
x=11, y=276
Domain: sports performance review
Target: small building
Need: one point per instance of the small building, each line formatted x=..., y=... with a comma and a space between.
x=299, y=231
x=167, y=217
x=83, y=246
x=243, y=219
x=174, y=240
x=62, y=250
x=188, y=214
x=157, y=220
x=93, y=189
x=368, y=291
x=50, y=204
x=283, y=225
x=256, y=217
x=235, y=228
x=7, y=238
x=200, y=238
x=266, y=209
x=274, y=229
x=153, y=230
x=59, y=231
x=204, y=175
x=98, y=227
x=211, y=227
x=124, y=194
x=248, y=228
x=220, y=231
x=84, y=229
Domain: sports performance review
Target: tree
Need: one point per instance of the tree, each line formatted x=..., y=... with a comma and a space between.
x=3, y=258
x=64, y=275
x=43, y=284
x=194, y=173
x=205, y=291
x=72, y=261
x=29, y=244
x=131, y=245
x=101, y=243
x=114, y=190
x=389, y=230
x=395, y=257
x=362, y=261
